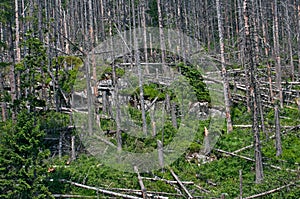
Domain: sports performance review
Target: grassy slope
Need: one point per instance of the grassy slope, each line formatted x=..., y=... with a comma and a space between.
x=224, y=171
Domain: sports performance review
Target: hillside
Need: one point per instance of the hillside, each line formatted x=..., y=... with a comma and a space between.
x=149, y=99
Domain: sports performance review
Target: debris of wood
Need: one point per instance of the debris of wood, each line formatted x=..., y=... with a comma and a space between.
x=100, y=190
x=150, y=193
x=270, y=191
x=180, y=183
x=288, y=128
x=252, y=160
x=143, y=189
x=168, y=181
x=202, y=189
x=71, y=196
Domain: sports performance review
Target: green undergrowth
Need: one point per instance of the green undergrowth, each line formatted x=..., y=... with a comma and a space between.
x=220, y=176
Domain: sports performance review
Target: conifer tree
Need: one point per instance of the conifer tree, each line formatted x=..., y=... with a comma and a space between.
x=22, y=160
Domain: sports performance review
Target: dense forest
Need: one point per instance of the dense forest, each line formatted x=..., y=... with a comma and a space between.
x=149, y=99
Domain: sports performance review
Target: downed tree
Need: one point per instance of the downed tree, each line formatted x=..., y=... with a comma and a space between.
x=252, y=160
x=289, y=128
x=143, y=188
x=271, y=191
x=71, y=196
x=107, y=191
x=167, y=181
x=99, y=190
x=150, y=193
x=180, y=183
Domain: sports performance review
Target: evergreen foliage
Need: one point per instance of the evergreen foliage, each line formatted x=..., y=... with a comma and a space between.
x=22, y=161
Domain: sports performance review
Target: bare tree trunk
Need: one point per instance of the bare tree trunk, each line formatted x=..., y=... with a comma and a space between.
x=277, y=53
x=17, y=29
x=153, y=121
x=102, y=29
x=145, y=36
x=241, y=184
x=288, y=27
x=60, y=145
x=298, y=41
x=104, y=102
x=277, y=132
x=242, y=54
x=173, y=114
x=89, y=97
x=118, y=114
x=138, y=64
x=3, y=103
x=267, y=49
x=224, y=73
x=162, y=37
x=143, y=188
x=160, y=150
x=18, y=49
x=91, y=46
x=73, y=149
x=168, y=103
x=12, y=73
x=116, y=91
x=257, y=52
x=250, y=58
x=66, y=35
x=206, y=143
x=208, y=36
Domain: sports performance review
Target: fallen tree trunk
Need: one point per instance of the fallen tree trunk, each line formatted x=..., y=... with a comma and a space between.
x=99, y=190
x=71, y=196
x=150, y=193
x=252, y=160
x=270, y=191
x=289, y=128
x=180, y=183
x=167, y=181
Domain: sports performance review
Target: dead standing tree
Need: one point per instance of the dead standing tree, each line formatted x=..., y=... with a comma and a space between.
x=224, y=74
x=251, y=62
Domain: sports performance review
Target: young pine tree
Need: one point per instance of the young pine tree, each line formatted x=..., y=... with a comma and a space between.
x=22, y=160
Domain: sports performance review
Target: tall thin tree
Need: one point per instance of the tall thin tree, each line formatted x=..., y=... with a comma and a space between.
x=250, y=59
x=224, y=73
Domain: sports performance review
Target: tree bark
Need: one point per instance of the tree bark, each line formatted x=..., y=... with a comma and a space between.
x=277, y=52
x=143, y=189
x=241, y=184
x=277, y=132
x=160, y=151
x=73, y=149
x=3, y=103
x=298, y=41
x=162, y=37
x=250, y=58
x=173, y=113
x=290, y=47
x=224, y=73
x=145, y=36
x=12, y=74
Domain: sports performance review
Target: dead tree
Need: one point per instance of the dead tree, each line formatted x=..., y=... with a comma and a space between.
x=277, y=52
x=277, y=132
x=224, y=73
x=254, y=91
